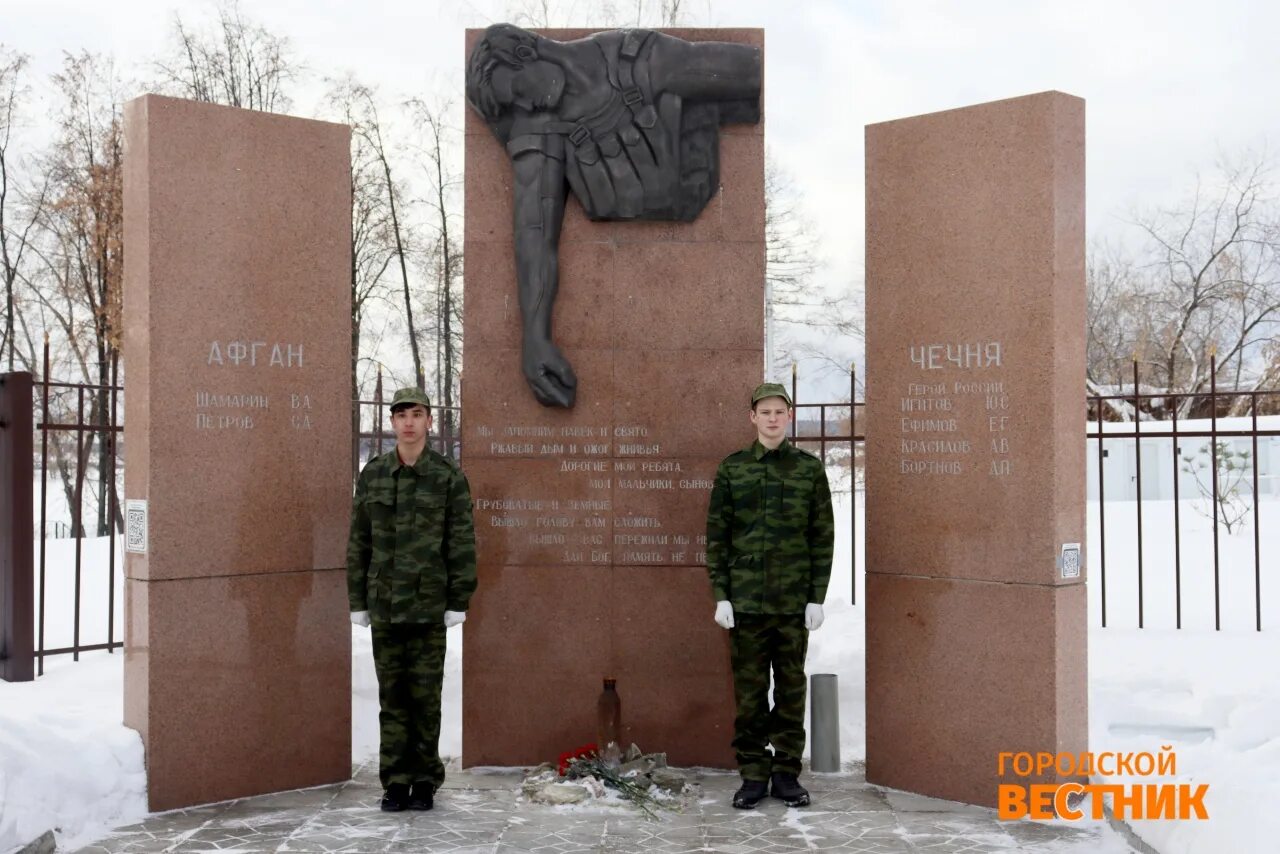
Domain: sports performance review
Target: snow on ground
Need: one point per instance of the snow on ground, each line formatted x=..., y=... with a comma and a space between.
x=1214, y=698
x=66, y=761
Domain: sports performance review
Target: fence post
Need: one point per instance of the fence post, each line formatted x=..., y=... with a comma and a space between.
x=17, y=600
x=853, y=482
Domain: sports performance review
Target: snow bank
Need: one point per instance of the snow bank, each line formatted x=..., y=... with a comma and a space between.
x=1214, y=698
x=67, y=763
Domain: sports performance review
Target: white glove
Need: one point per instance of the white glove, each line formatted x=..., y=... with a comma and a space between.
x=454, y=618
x=813, y=617
x=360, y=618
x=724, y=614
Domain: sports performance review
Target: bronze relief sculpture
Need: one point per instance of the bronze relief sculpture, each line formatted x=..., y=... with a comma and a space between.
x=626, y=120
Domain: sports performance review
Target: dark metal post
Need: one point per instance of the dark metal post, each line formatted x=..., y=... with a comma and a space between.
x=793, y=400
x=1213, y=449
x=1102, y=513
x=377, y=410
x=77, y=517
x=1137, y=453
x=822, y=431
x=17, y=655
x=1257, y=549
x=44, y=488
x=1177, y=523
x=356, y=416
x=113, y=438
x=853, y=480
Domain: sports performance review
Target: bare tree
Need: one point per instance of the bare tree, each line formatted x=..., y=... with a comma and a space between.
x=547, y=14
x=372, y=250
x=444, y=255
x=797, y=309
x=790, y=261
x=1205, y=282
x=16, y=221
x=83, y=255
x=1116, y=328
x=378, y=200
x=373, y=136
x=1210, y=285
x=642, y=13
x=232, y=61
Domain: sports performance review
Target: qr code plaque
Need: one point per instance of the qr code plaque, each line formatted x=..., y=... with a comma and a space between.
x=1070, y=560
x=135, y=523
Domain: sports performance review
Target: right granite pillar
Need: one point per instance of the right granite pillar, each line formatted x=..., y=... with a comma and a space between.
x=975, y=598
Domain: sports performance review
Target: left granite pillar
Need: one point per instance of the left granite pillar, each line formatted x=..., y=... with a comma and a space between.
x=237, y=319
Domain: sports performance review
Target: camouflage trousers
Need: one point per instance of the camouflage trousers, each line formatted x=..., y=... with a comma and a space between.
x=760, y=642
x=409, y=660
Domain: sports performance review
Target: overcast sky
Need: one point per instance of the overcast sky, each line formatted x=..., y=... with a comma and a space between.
x=1169, y=86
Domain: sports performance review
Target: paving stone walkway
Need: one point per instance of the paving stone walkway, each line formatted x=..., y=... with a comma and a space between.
x=484, y=811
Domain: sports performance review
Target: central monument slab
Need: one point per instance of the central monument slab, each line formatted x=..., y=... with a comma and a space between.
x=590, y=519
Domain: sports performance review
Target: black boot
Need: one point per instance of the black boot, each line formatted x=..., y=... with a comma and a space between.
x=786, y=788
x=396, y=798
x=422, y=796
x=751, y=793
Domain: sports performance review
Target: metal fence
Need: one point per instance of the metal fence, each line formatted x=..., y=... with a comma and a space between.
x=837, y=429
x=79, y=424
x=1218, y=494
x=104, y=428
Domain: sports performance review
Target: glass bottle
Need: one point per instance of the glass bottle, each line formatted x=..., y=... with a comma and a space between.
x=609, y=725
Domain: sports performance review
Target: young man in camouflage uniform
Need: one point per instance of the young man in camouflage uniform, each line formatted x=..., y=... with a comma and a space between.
x=411, y=570
x=769, y=541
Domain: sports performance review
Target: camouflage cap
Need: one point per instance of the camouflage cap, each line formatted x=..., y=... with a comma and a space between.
x=769, y=390
x=409, y=396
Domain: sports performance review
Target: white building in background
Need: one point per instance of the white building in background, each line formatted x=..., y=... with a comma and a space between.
x=1159, y=467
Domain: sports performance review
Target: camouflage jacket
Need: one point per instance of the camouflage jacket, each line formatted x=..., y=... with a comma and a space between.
x=770, y=530
x=411, y=554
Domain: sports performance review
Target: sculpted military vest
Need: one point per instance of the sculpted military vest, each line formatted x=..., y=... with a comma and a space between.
x=638, y=157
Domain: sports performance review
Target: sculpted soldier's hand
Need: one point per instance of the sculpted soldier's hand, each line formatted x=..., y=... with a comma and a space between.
x=813, y=617
x=360, y=618
x=454, y=618
x=724, y=614
x=548, y=372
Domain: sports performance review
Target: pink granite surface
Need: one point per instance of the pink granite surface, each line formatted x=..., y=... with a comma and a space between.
x=240, y=685
x=239, y=223
x=975, y=456
x=663, y=323
x=975, y=234
x=961, y=671
x=237, y=349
